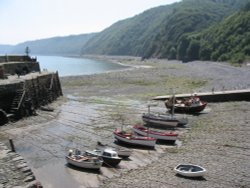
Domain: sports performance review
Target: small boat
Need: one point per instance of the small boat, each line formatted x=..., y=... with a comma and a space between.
x=47, y=108
x=163, y=120
x=109, y=156
x=159, y=120
x=188, y=105
x=182, y=119
x=122, y=151
x=190, y=170
x=83, y=161
x=167, y=136
x=133, y=139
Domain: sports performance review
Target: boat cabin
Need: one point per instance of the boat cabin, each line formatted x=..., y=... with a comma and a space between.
x=110, y=153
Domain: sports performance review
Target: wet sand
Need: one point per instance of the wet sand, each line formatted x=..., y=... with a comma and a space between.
x=94, y=105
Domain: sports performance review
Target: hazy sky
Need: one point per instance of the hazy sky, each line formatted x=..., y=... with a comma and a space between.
x=23, y=20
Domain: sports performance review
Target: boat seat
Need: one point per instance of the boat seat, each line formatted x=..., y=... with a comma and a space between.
x=191, y=169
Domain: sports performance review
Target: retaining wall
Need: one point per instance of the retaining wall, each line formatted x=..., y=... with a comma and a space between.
x=218, y=96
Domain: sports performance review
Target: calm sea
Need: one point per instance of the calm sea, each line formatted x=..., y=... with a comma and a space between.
x=69, y=66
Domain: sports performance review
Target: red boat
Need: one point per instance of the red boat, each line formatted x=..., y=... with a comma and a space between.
x=188, y=105
x=133, y=139
x=167, y=136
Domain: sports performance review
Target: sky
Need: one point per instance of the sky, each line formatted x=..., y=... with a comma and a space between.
x=25, y=20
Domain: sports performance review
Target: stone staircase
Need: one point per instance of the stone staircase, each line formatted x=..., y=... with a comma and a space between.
x=18, y=100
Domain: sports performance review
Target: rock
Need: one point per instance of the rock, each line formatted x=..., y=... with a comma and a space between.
x=29, y=178
x=21, y=165
x=19, y=158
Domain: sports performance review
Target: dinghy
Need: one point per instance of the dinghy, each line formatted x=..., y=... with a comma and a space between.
x=190, y=170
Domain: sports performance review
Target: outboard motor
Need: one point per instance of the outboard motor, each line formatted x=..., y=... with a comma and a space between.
x=70, y=152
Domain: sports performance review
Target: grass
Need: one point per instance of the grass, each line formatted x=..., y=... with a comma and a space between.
x=140, y=82
x=183, y=84
x=75, y=82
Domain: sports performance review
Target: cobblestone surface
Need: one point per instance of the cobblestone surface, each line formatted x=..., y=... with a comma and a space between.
x=14, y=171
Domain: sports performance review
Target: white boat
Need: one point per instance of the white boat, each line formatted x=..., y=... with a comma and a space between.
x=122, y=151
x=167, y=136
x=109, y=156
x=190, y=170
x=133, y=139
x=80, y=160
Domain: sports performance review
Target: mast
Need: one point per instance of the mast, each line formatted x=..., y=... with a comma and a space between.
x=173, y=102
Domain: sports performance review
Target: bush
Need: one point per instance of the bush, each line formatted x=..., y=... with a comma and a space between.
x=238, y=58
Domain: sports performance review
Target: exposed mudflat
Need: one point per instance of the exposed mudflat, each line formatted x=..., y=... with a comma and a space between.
x=94, y=105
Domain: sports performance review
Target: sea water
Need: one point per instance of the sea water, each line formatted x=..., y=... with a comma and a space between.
x=70, y=66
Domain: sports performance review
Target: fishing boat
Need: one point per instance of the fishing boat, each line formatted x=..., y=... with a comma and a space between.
x=163, y=120
x=159, y=120
x=190, y=170
x=77, y=159
x=181, y=118
x=121, y=151
x=133, y=139
x=187, y=105
x=167, y=136
x=109, y=156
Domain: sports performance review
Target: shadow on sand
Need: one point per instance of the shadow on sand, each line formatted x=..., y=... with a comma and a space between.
x=192, y=178
x=119, y=143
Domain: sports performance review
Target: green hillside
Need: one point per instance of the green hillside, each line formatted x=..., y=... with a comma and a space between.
x=69, y=45
x=127, y=37
x=227, y=41
x=158, y=31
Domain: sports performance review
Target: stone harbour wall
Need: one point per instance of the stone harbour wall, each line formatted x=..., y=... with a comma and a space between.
x=20, y=98
x=23, y=68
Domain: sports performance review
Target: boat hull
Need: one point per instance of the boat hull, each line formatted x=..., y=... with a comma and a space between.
x=110, y=161
x=96, y=165
x=157, y=135
x=135, y=140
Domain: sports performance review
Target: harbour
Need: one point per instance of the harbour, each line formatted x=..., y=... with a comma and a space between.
x=86, y=114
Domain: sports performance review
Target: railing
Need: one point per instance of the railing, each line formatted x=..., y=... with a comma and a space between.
x=51, y=82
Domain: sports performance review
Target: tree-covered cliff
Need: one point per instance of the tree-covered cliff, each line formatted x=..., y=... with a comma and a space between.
x=158, y=32
x=228, y=40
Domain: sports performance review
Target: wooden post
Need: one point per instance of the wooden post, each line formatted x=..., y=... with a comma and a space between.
x=12, y=145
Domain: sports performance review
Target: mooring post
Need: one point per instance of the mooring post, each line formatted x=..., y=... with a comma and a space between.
x=12, y=145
